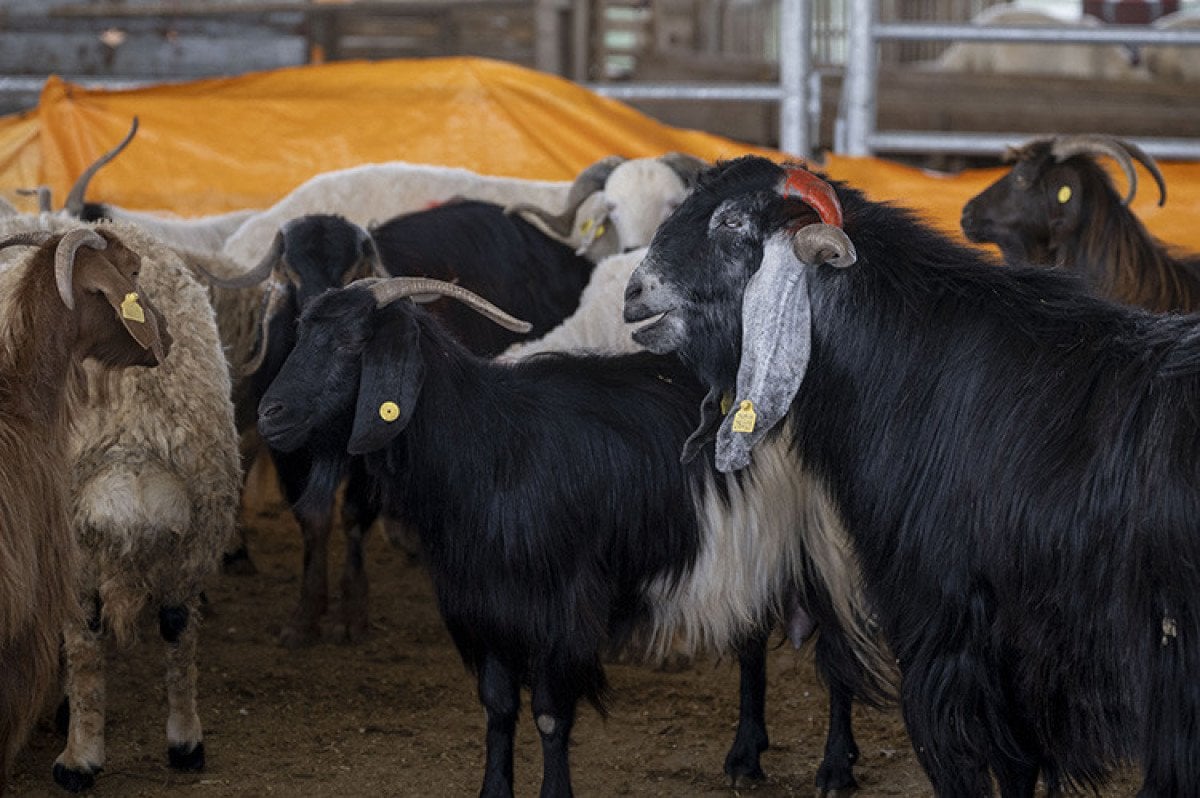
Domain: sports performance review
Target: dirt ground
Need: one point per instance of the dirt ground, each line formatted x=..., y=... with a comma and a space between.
x=397, y=715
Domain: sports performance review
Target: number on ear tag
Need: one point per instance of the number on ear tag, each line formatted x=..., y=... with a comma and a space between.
x=745, y=418
x=389, y=411
x=130, y=309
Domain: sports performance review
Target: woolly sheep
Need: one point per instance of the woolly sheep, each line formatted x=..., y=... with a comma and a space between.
x=155, y=484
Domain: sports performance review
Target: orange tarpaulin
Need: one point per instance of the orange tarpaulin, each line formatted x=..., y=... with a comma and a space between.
x=209, y=146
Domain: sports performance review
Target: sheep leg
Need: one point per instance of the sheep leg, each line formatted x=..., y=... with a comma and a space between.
x=500, y=694
x=359, y=512
x=185, y=737
x=76, y=767
x=742, y=762
x=553, y=705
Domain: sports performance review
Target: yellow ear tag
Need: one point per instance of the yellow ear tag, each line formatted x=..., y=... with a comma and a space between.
x=130, y=309
x=744, y=418
x=599, y=231
x=389, y=411
x=586, y=226
x=726, y=403
x=1064, y=195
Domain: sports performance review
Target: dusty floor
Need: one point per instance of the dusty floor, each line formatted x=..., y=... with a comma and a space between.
x=397, y=714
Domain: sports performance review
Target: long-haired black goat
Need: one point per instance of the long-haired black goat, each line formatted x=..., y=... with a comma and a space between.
x=475, y=244
x=1016, y=462
x=1057, y=207
x=555, y=517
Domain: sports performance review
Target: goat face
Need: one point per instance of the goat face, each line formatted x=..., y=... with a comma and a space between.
x=728, y=274
x=352, y=379
x=1028, y=210
x=104, y=283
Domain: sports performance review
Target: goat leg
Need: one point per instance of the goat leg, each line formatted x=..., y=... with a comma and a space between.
x=742, y=762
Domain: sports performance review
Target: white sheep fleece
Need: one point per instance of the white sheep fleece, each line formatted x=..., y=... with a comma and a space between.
x=380, y=191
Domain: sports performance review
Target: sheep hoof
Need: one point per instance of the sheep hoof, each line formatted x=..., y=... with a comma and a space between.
x=73, y=780
x=238, y=563
x=181, y=757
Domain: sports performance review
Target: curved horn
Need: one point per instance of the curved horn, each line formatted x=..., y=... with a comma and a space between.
x=266, y=309
x=64, y=259
x=688, y=167
x=1120, y=151
x=45, y=204
x=813, y=191
x=32, y=238
x=74, y=204
x=391, y=289
x=370, y=253
x=823, y=243
x=588, y=182
x=261, y=271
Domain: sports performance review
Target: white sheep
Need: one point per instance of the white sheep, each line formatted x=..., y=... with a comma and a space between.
x=155, y=486
x=1175, y=63
x=1090, y=61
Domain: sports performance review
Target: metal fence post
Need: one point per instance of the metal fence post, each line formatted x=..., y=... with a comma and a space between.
x=859, y=84
x=795, y=61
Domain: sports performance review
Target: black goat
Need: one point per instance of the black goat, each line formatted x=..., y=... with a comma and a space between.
x=554, y=515
x=1016, y=461
x=475, y=244
x=1057, y=207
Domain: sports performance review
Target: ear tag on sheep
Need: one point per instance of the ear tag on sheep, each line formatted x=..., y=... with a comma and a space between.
x=745, y=418
x=586, y=226
x=1064, y=195
x=389, y=411
x=130, y=309
x=726, y=404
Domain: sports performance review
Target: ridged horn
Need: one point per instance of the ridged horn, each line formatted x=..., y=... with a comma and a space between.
x=813, y=191
x=394, y=288
x=588, y=182
x=1063, y=147
x=74, y=204
x=816, y=244
x=261, y=271
x=64, y=259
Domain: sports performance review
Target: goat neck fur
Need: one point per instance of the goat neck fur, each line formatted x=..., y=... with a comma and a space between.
x=1017, y=464
x=1068, y=215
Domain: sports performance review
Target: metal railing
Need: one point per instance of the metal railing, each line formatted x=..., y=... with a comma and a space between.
x=856, y=125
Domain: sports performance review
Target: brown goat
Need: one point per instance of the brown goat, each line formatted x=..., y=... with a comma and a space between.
x=1058, y=208
x=76, y=299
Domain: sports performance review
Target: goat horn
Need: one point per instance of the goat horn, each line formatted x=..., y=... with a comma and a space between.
x=32, y=238
x=64, y=259
x=393, y=288
x=815, y=192
x=261, y=271
x=815, y=244
x=588, y=182
x=45, y=205
x=74, y=204
x=270, y=301
x=1120, y=151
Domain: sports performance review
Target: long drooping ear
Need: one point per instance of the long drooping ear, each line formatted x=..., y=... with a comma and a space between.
x=392, y=374
x=80, y=252
x=776, y=341
x=776, y=336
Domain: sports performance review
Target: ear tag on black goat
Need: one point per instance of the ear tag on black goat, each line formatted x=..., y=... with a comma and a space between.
x=745, y=418
x=389, y=411
x=1064, y=195
x=130, y=309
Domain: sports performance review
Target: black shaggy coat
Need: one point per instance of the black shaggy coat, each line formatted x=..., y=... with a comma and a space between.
x=500, y=256
x=1018, y=463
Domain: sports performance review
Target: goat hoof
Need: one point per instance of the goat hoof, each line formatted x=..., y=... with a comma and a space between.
x=833, y=783
x=181, y=757
x=238, y=563
x=73, y=780
x=746, y=780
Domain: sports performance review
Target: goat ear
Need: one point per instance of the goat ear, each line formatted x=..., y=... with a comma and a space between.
x=776, y=343
x=392, y=373
x=591, y=224
x=94, y=272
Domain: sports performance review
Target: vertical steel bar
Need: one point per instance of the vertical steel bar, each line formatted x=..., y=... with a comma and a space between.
x=862, y=74
x=795, y=60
